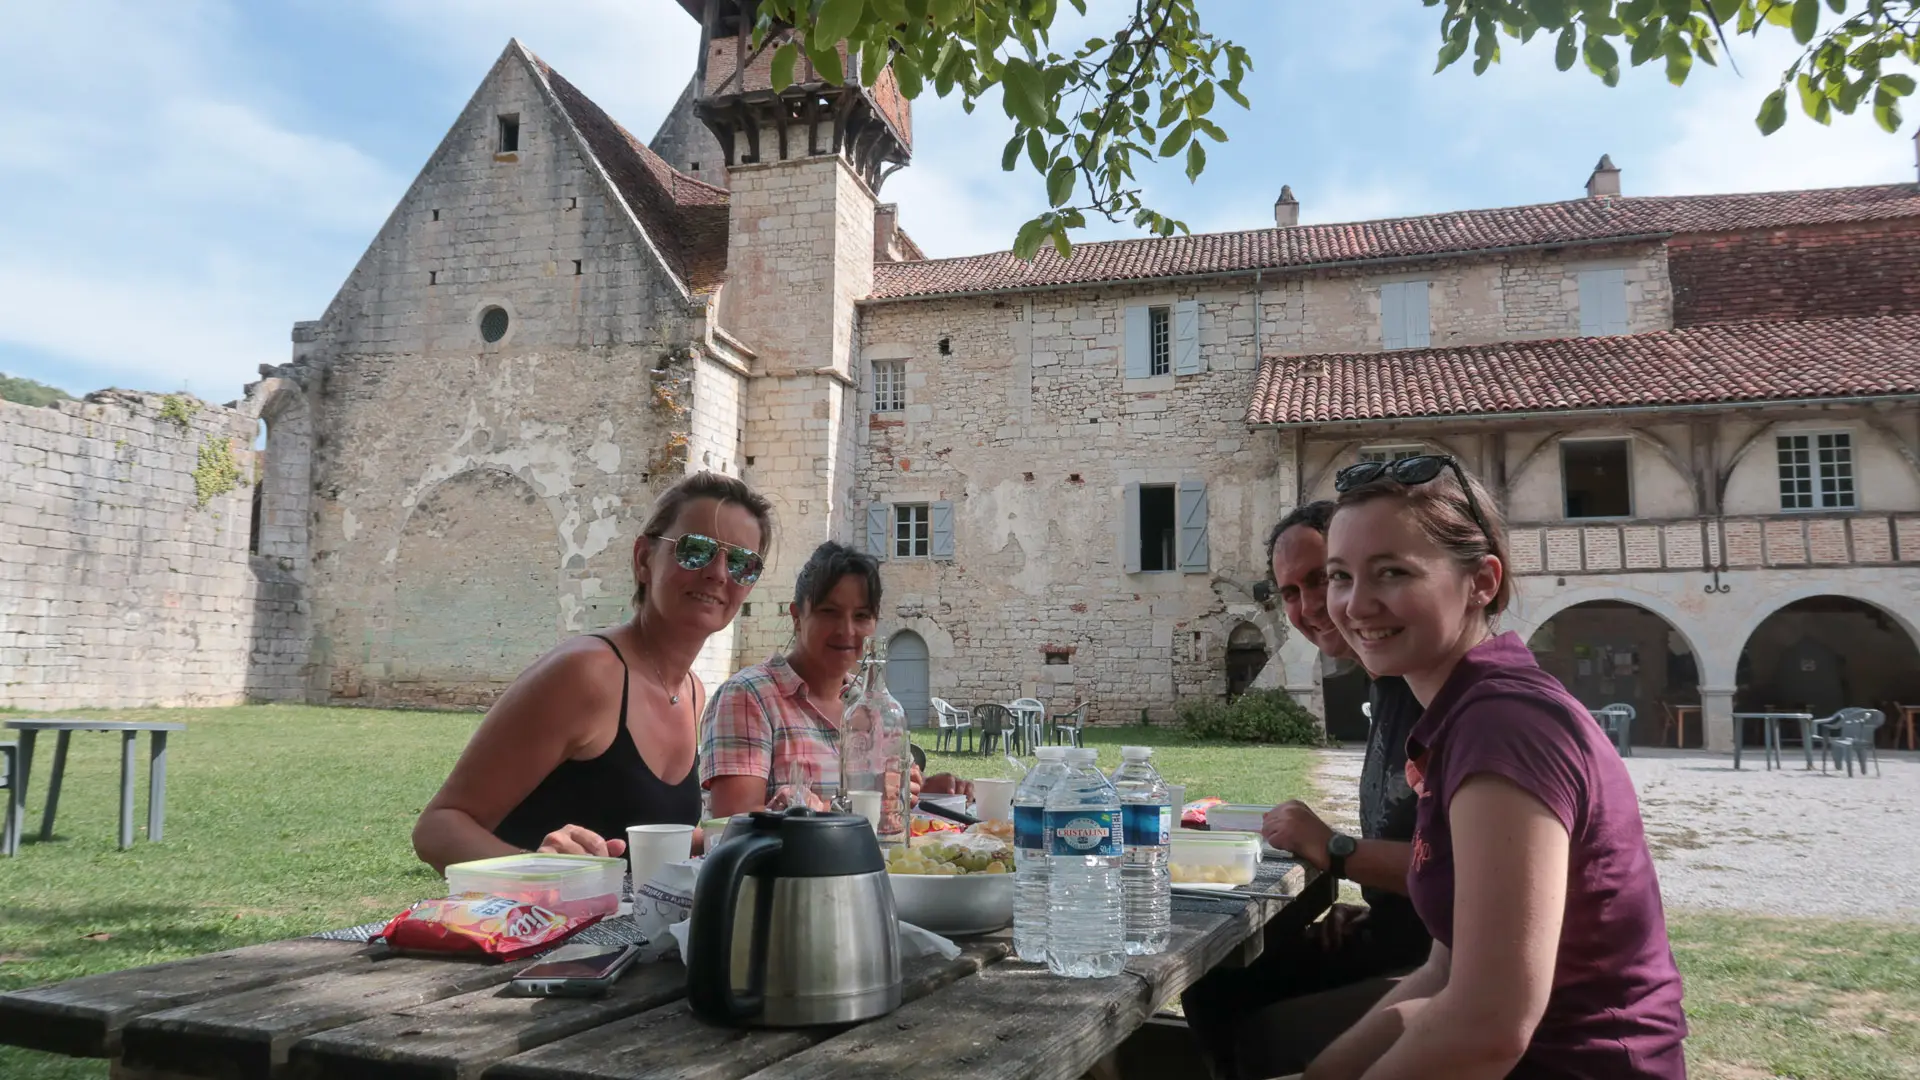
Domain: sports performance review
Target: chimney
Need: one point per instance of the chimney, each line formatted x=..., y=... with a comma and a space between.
x=886, y=219
x=1286, y=209
x=1605, y=179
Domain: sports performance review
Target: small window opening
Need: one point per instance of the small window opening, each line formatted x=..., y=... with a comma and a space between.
x=912, y=531
x=576, y=268
x=946, y=346
x=1598, y=477
x=573, y=202
x=889, y=385
x=1028, y=476
x=510, y=134
x=433, y=277
x=1073, y=478
x=493, y=324
x=436, y=215
x=259, y=486
x=1156, y=528
x=746, y=610
x=749, y=460
x=693, y=166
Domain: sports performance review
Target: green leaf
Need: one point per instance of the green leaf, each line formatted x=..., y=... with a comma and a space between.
x=1211, y=130
x=1233, y=91
x=1178, y=139
x=1644, y=47
x=1887, y=116
x=1679, y=60
x=1027, y=241
x=1567, y=49
x=1810, y=95
x=1196, y=161
x=873, y=60
x=1200, y=102
x=1061, y=243
x=1773, y=112
x=890, y=12
x=1025, y=93
x=1060, y=182
x=1037, y=150
x=1011, y=155
x=783, y=61
x=1897, y=84
x=827, y=62
x=1551, y=14
x=1602, y=58
x=907, y=70
x=1806, y=20
x=837, y=19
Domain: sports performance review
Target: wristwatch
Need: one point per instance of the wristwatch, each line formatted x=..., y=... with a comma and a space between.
x=1339, y=847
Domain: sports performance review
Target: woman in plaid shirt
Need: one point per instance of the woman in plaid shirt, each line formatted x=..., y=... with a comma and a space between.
x=771, y=734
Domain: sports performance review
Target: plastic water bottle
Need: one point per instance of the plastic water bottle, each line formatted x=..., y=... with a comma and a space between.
x=1146, y=812
x=1031, y=862
x=1086, y=920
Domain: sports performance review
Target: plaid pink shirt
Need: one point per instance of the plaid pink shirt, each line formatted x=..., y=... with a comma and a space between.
x=761, y=722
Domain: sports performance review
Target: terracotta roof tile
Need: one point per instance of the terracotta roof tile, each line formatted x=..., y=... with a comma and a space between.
x=685, y=217
x=1703, y=365
x=1574, y=221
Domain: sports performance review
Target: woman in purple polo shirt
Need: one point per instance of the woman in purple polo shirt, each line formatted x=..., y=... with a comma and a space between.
x=1530, y=865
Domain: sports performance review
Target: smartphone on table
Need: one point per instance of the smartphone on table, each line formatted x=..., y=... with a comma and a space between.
x=575, y=971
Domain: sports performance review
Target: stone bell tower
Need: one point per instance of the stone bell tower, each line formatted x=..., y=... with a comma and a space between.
x=804, y=165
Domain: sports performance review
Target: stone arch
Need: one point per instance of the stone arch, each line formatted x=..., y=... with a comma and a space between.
x=1246, y=655
x=1608, y=650
x=476, y=587
x=1821, y=649
x=284, y=474
x=1525, y=619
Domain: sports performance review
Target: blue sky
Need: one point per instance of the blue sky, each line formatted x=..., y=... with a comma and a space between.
x=184, y=180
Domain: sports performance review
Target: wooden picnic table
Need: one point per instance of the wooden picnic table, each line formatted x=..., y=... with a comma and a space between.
x=316, y=1009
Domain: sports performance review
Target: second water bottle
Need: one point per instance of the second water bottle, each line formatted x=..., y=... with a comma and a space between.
x=1086, y=922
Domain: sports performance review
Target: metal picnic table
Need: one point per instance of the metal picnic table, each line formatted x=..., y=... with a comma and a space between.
x=129, y=730
x=1770, y=741
x=317, y=1009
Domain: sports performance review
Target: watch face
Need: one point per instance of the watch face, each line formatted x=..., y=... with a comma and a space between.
x=1342, y=845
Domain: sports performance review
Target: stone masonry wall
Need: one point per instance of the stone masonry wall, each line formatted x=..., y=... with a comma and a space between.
x=117, y=587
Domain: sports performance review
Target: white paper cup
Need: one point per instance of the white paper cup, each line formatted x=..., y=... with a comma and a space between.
x=993, y=799
x=1177, y=795
x=867, y=805
x=650, y=847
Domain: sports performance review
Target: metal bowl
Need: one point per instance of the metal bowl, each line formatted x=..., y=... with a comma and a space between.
x=957, y=905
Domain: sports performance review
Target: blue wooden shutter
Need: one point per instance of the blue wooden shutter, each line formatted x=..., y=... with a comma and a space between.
x=1393, y=315
x=1130, y=529
x=1615, y=300
x=942, y=533
x=1139, y=360
x=1186, y=337
x=1419, y=325
x=877, y=529
x=1603, y=302
x=1193, y=526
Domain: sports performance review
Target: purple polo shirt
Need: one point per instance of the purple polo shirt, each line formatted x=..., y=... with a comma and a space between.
x=1614, y=1010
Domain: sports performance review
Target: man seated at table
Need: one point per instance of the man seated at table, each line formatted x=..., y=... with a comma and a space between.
x=771, y=734
x=1273, y=1016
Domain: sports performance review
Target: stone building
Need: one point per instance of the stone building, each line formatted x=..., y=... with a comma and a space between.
x=1698, y=412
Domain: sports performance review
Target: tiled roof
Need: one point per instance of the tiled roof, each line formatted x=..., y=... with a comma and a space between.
x=686, y=218
x=1301, y=246
x=1718, y=364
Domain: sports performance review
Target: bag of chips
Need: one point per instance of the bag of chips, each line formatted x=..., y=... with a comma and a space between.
x=475, y=924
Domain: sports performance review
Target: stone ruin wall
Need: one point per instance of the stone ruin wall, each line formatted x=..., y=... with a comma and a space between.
x=118, y=586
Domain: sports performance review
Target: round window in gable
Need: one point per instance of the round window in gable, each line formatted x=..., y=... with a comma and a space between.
x=493, y=324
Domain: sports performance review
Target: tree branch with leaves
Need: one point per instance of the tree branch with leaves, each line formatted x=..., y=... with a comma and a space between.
x=1089, y=118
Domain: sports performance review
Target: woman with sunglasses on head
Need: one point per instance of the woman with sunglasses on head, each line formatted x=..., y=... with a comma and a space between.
x=775, y=727
x=601, y=732
x=1530, y=865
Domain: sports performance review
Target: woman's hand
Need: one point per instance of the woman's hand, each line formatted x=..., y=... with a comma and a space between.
x=946, y=784
x=575, y=840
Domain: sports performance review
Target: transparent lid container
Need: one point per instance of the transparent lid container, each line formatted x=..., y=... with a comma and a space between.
x=1214, y=858
x=565, y=884
x=1236, y=816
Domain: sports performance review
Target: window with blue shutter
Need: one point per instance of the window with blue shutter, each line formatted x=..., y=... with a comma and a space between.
x=1186, y=337
x=1192, y=515
x=1139, y=358
x=1603, y=302
x=879, y=523
x=1404, y=323
x=942, y=530
x=1130, y=529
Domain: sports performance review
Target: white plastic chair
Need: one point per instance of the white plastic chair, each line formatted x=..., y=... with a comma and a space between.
x=1032, y=718
x=952, y=723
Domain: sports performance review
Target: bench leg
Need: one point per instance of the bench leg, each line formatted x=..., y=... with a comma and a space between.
x=126, y=788
x=156, y=784
x=53, y=785
x=16, y=805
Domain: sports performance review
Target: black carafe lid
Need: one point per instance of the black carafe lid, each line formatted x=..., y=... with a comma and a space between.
x=813, y=844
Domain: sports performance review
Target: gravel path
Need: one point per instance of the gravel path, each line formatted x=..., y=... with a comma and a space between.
x=1786, y=842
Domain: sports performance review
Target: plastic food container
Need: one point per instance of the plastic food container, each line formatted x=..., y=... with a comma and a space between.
x=1214, y=857
x=1244, y=817
x=563, y=884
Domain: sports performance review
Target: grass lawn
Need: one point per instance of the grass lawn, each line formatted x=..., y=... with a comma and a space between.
x=284, y=820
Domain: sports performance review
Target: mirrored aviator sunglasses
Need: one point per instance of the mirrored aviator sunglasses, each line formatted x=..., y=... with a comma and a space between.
x=1412, y=471
x=694, y=551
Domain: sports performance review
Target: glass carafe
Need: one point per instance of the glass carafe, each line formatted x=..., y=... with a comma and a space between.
x=875, y=756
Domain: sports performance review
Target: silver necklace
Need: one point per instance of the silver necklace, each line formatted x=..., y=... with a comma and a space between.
x=672, y=698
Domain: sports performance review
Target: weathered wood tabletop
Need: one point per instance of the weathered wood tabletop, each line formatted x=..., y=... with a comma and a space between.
x=313, y=1008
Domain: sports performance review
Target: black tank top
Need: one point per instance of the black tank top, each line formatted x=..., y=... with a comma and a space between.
x=605, y=793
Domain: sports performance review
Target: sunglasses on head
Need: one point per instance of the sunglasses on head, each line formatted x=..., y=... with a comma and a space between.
x=1412, y=472
x=694, y=551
